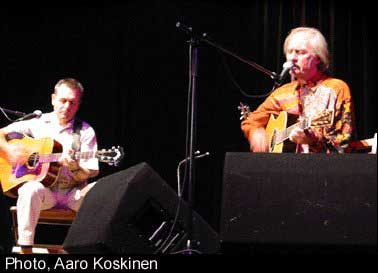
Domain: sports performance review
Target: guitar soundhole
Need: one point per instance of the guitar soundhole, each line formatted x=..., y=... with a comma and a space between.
x=32, y=167
x=33, y=160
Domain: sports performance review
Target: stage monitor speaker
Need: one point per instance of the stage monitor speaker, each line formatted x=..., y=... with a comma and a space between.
x=299, y=200
x=133, y=211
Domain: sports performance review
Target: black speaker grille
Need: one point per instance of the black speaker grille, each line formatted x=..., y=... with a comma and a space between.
x=123, y=213
x=300, y=199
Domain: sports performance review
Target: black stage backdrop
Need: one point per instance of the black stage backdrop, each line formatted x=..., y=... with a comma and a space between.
x=133, y=63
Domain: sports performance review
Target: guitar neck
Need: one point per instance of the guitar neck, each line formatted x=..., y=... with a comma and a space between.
x=284, y=134
x=46, y=158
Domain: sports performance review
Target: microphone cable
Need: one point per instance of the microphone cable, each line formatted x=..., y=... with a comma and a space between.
x=164, y=246
x=5, y=114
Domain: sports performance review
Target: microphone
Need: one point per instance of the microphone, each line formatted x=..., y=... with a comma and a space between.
x=201, y=155
x=35, y=114
x=185, y=28
x=285, y=70
x=197, y=155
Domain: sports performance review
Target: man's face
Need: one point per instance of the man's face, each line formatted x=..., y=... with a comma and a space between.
x=300, y=52
x=66, y=102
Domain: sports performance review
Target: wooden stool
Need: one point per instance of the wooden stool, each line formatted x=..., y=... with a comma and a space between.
x=47, y=217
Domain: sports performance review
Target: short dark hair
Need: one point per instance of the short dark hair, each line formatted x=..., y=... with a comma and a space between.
x=71, y=83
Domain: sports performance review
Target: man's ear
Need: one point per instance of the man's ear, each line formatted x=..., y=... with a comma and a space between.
x=53, y=95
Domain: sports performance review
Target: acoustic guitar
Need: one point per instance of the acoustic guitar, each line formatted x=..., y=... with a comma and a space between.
x=42, y=162
x=277, y=130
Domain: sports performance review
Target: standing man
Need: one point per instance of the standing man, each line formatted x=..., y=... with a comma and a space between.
x=71, y=186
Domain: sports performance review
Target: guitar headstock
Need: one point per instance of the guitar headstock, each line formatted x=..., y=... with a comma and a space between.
x=111, y=156
x=323, y=118
x=244, y=111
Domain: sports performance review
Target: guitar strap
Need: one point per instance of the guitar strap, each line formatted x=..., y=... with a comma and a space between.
x=76, y=144
x=62, y=181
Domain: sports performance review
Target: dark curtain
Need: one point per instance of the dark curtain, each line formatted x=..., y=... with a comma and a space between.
x=133, y=63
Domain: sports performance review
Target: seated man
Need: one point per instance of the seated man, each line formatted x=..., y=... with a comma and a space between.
x=71, y=183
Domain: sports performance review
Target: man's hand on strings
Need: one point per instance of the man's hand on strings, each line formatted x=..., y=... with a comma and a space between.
x=300, y=136
x=67, y=159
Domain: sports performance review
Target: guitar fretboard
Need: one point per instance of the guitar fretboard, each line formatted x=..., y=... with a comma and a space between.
x=45, y=158
x=284, y=134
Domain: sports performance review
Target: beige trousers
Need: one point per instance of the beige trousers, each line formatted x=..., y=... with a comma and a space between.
x=33, y=197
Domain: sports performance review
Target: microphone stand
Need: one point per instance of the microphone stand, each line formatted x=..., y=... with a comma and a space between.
x=16, y=113
x=204, y=38
x=273, y=75
x=193, y=69
x=4, y=111
x=192, y=104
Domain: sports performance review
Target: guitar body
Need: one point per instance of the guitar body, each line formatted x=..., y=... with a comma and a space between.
x=275, y=126
x=12, y=177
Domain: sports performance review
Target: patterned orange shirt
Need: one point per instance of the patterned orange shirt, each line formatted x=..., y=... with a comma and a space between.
x=330, y=93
